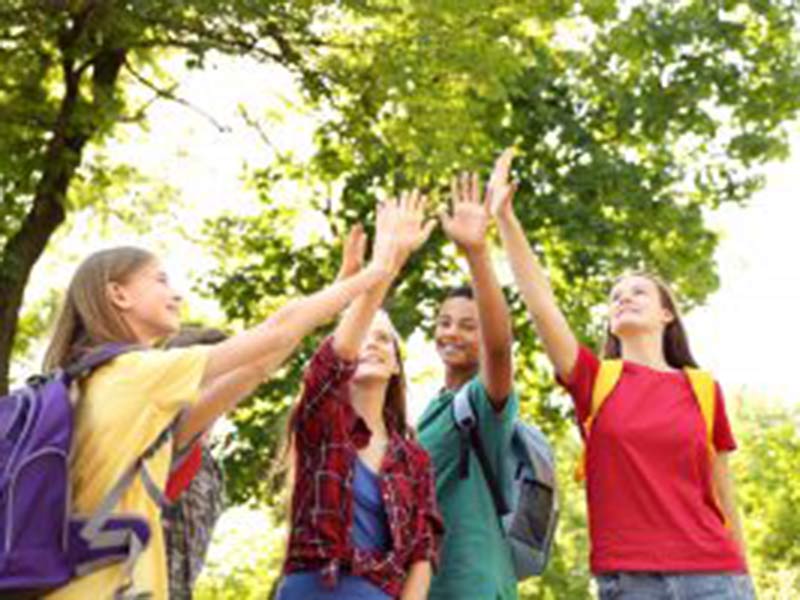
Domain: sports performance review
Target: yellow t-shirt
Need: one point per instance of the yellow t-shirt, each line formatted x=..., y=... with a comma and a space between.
x=123, y=408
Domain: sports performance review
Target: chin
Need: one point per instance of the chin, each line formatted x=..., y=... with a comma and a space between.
x=459, y=363
x=627, y=327
x=369, y=373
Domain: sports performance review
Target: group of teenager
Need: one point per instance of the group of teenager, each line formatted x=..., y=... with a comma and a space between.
x=379, y=509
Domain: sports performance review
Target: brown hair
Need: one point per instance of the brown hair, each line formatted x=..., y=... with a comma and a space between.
x=394, y=415
x=88, y=318
x=675, y=342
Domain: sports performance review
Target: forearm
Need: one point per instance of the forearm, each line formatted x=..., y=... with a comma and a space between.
x=289, y=324
x=217, y=398
x=355, y=322
x=495, y=325
x=534, y=286
x=417, y=582
x=726, y=495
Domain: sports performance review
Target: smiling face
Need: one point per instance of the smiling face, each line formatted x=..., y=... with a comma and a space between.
x=457, y=333
x=377, y=358
x=147, y=302
x=636, y=307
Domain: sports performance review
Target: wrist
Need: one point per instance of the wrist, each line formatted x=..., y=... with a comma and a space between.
x=505, y=216
x=381, y=268
x=476, y=252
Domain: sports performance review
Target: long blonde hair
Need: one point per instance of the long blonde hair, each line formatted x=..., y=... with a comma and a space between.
x=88, y=318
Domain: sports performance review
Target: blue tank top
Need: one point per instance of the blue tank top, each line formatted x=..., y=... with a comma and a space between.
x=370, y=531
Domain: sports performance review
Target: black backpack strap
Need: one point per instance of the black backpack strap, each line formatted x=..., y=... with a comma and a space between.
x=467, y=425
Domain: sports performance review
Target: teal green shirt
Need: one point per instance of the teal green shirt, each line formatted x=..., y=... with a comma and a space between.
x=475, y=562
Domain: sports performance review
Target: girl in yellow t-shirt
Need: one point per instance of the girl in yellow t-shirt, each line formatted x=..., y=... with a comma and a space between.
x=124, y=295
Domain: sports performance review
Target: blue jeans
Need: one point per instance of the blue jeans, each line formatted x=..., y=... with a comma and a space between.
x=675, y=586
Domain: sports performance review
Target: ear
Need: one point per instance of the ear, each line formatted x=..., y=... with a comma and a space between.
x=118, y=296
x=666, y=316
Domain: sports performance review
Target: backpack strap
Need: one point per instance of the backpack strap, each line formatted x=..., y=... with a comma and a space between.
x=467, y=425
x=703, y=387
x=608, y=376
x=705, y=393
x=97, y=357
x=102, y=533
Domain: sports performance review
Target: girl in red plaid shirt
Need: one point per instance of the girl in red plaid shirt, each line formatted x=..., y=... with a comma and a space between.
x=365, y=524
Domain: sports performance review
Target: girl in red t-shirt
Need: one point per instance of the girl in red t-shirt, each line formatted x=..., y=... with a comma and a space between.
x=658, y=506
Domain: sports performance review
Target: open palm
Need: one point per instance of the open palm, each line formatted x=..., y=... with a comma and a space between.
x=468, y=221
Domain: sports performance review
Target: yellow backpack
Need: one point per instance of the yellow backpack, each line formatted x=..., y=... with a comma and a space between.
x=607, y=378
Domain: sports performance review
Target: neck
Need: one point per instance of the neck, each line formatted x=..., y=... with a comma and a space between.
x=645, y=349
x=455, y=377
x=141, y=335
x=368, y=399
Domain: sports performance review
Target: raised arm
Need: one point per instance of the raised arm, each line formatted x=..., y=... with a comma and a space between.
x=559, y=342
x=399, y=231
x=467, y=227
x=289, y=324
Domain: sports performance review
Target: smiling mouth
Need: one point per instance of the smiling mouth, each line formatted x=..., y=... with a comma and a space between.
x=370, y=360
x=450, y=348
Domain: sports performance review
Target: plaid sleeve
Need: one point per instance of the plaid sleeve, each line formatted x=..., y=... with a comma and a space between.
x=324, y=381
x=429, y=519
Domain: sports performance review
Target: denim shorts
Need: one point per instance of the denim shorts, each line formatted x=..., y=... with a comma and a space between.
x=675, y=586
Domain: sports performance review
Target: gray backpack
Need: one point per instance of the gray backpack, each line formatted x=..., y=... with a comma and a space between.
x=530, y=514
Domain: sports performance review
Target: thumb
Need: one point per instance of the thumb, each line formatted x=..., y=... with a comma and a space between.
x=426, y=233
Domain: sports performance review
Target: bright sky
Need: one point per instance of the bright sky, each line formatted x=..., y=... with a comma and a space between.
x=745, y=334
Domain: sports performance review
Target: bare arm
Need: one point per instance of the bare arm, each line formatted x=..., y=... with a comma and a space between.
x=290, y=323
x=724, y=488
x=417, y=582
x=467, y=227
x=497, y=369
x=558, y=339
x=225, y=392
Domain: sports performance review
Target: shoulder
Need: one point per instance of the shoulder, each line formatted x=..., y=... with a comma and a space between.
x=158, y=359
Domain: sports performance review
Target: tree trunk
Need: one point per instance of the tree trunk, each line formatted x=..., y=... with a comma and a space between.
x=62, y=157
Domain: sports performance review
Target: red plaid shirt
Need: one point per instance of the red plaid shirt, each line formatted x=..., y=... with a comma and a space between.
x=328, y=434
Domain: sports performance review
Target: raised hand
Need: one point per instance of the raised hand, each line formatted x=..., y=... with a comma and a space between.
x=353, y=250
x=400, y=229
x=468, y=222
x=500, y=190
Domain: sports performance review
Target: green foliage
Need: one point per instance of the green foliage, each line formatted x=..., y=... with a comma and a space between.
x=768, y=482
x=630, y=123
x=245, y=560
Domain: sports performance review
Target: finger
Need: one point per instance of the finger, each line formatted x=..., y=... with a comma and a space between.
x=503, y=165
x=465, y=197
x=475, y=188
x=446, y=220
x=422, y=205
x=453, y=192
x=426, y=232
x=361, y=245
x=414, y=200
x=403, y=201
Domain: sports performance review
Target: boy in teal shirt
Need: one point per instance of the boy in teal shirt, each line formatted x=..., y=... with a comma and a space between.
x=473, y=339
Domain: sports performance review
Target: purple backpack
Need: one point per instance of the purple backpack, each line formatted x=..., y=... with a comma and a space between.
x=42, y=544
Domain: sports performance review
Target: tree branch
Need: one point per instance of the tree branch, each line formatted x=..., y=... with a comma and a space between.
x=169, y=94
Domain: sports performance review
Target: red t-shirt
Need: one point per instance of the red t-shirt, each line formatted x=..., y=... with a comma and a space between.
x=648, y=474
